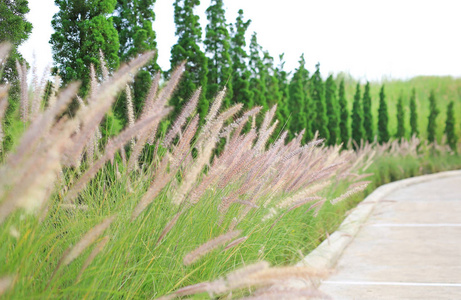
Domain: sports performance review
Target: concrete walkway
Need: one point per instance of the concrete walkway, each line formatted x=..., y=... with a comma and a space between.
x=409, y=248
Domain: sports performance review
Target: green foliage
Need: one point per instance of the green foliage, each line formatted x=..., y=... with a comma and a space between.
x=383, y=118
x=189, y=34
x=367, y=117
x=241, y=73
x=433, y=113
x=217, y=44
x=133, y=21
x=413, y=114
x=358, y=132
x=283, y=109
x=317, y=92
x=82, y=29
x=14, y=28
x=258, y=74
x=343, y=115
x=452, y=138
x=400, y=120
x=299, y=101
x=332, y=111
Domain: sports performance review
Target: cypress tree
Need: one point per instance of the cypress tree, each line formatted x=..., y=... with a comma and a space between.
x=133, y=22
x=343, y=115
x=452, y=139
x=297, y=100
x=283, y=109
x=358, y=133
x=320, y=120
x=241, y=73
x=258, y=74
x=413, y=114
x=383, y=118
x=400, y=119
x=273, y=92
x=433, y=113
x=82, y=28
x=217, y=45
x=187, y=48
x=332, y=110
x=367, y=117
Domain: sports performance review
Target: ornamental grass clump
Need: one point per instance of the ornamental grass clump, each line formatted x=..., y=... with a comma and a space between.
x=144, y=214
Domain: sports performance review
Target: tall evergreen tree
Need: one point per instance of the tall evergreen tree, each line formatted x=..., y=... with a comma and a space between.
x=450, y=130
x=343, y=115
x=258, y=73
x=320, y=120
x=14, y=28
x=413, y=114
x=400, y=119
x=82, y=28
x=367, y=117
x=433, y=113
x=298, y=101
x=187, y=48
x=283, y=109
x=383, y=118
x=241, y=72
x=332, y=110
x=358, y=133
x=273, y=93
x=217, y=43
x=133, y=20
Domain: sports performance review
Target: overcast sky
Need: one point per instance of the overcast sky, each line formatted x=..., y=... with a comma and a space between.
x=367, y=38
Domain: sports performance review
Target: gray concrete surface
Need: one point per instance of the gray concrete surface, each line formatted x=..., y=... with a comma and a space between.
x=408, y=248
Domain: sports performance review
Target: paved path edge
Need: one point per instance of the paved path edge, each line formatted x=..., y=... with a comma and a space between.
x=327, y=254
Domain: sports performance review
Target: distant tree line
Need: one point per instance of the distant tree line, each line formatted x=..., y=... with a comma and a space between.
x=122, y=29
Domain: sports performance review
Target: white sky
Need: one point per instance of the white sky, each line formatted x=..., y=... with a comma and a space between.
x=369, y=39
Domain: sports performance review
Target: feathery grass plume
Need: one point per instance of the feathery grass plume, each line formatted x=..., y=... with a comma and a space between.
x=39, y=90
x=268, y=118
x=210, y=138
x=196, y=254
x=129, y=111
x=54, y=90
x=89, y=238
x=350, y=192
x=111, y=148
x=104, y=70
x=275, y=275
x=33, y=179
x=92, y=115
x=149, y=102
x=264, y=136
x=92, y=256
x=163, y=175
x=235, y=242
x=24, y=100
x=143, y=138
x=184, y=146
x=237, y=125
x=5, y=48
x=169, y=226
x=3, y=106
x=181, y=119
x=5, y=282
